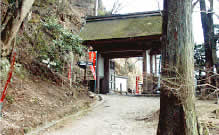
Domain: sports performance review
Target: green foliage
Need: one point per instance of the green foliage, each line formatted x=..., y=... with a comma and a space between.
x=26, y=130
x=4, y=68
x=9, y=98
x=12, y=5
x=20, y=71
x=104, y=13
x=53, y=43
x=44, y=3
x=64, y=40
x=199, y=55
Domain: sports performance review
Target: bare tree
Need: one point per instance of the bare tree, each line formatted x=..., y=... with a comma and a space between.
x=117, y=6
x=209, y=41
x=12, y=24
x=195, y=2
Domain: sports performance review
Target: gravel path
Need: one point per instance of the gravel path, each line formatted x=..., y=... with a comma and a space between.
x=115, y=116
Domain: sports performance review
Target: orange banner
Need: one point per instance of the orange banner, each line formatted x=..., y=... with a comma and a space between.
x=92, y=58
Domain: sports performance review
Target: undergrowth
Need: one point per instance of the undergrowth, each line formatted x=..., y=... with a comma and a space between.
x=53, y=44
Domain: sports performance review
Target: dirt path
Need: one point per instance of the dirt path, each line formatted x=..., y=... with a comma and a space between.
x=116, y=116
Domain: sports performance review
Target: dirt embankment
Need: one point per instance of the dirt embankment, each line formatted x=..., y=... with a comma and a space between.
x=32, y=102
x=207, y=112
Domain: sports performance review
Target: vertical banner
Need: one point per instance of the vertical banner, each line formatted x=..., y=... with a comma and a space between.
x=92, y=58
x=137, y=89
x=69, y=72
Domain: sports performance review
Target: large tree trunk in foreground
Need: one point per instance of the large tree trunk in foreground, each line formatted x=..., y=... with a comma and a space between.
x=177, y=109
x=13, y=25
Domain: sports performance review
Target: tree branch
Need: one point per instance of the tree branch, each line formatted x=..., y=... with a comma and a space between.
x=13, y=25
x=195, y=3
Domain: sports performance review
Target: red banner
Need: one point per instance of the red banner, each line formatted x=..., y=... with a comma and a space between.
x=93, y=72
x=92, y=58
x=69, y=72
x=137, y=89
x=9, y=79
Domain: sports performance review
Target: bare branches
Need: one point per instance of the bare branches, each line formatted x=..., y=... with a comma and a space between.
x=177, y=82
x=158, y=5
x=13, y=25
x=195, y=3
x=216, y=15
x=117, y=6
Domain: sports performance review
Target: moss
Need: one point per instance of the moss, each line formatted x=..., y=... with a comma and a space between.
x=132, y=27
x=26, y=129
x=20, y=71
x=35, y=19
x=43, y=3
x=9, y=98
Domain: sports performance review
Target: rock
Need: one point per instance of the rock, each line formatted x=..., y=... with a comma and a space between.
x=91, y=95
x=99, y=98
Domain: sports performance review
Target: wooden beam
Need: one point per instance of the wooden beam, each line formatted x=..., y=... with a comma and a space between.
x=119, y=51
x=97, y=90
x=155, y=64
x=145, y=86
x=124, y=48
x=151, y=64
x=120, y=40
x=122, y=55
x=105, y=88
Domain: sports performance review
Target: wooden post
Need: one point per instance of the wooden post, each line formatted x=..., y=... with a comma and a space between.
x=155, y=71
x=97, y=84
x=144, y=72
x=106, y=76
x=151, y=64
x=71, y=66
x=85, y=73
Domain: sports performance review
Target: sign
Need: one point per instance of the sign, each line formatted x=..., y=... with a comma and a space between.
x=92, y=58
x=84, y=64
x=89, y=63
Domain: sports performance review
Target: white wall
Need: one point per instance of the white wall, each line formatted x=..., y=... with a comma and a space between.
x=112, y=80
x=100, y=66
x=148, y=61
x=123, y=82
x=158, y=64
x=153, y=61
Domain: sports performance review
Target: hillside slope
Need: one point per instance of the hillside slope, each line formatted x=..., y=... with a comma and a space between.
x=32, y=102
x=47, y=43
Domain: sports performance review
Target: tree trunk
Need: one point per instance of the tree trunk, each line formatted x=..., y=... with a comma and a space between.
x=206, y=25
x=213, y=40
x=177, y=109
x=13, y=25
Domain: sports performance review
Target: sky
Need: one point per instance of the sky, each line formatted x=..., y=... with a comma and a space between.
x=130, y=6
